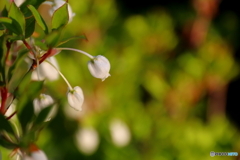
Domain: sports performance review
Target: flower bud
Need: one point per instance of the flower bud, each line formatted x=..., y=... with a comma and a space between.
x=99, y=67
x=75, y=98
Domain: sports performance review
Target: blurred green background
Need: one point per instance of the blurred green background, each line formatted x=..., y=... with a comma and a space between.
x=165, y=99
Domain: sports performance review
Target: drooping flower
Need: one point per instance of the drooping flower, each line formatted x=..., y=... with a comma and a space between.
x=76, y=98
x=120, y=133
x=35, y=154
x=46, y=71
x=42, y=102
x=38, y=155
x=99, y=67
x=87, y=140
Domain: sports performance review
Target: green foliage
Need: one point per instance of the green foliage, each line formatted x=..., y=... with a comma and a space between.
x=60, y=17
x=18, y=19
x=39, y=19
x=5, y=125
x=53, y=38
x=162, y=87
x=72, y=38
x=42, y=117
x=10, y=25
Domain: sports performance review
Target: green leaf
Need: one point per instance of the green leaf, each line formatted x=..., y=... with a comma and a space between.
x=5, y=125
x=2, y=52
x=2, y=32
x=42, y=116
x=30, y=20
x=25, y=105
x=34, y=3
x=20, y=77
x=4, y=12
x=17, y=61
x=72, y=38
x=10, y=25
x=26, y=115
x=5, y=20
x=42, y=45
x=17, y=17
x=2, y=5
x=30, y=26
x=53, y=38
x=38, y=18
x=60, y=17
x=31, y=90
x=2, y=27
x=6, y=144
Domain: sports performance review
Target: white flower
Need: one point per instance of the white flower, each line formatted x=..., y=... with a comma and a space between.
x=59, y=3
x=42, y=102
x=76, y=98
x=39, y=155
x=87, y=140
x=36, y=155
x=120, y=133
x=46, y=71
x=99, y=67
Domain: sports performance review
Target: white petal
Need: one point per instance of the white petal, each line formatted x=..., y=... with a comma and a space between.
x=46, y=71
x=87, y=140
x=99, y=67
x=49, y=72
x=37, y=77
x=42, y=102
x=38, y=155
x=76, y=98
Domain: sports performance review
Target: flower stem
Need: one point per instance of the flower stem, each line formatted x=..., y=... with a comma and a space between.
x=38, y=72
x=77, y=50
x=69, y=86
x=28, y=47
x=3, y=92
x=9, y=117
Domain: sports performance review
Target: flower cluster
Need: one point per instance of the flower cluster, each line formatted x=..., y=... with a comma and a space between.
x=19, y=47
x=99, y=67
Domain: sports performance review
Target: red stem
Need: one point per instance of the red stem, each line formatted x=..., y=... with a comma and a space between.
x=9, y=117
x=28, y=47
x=4, y=98
x=46, y=55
